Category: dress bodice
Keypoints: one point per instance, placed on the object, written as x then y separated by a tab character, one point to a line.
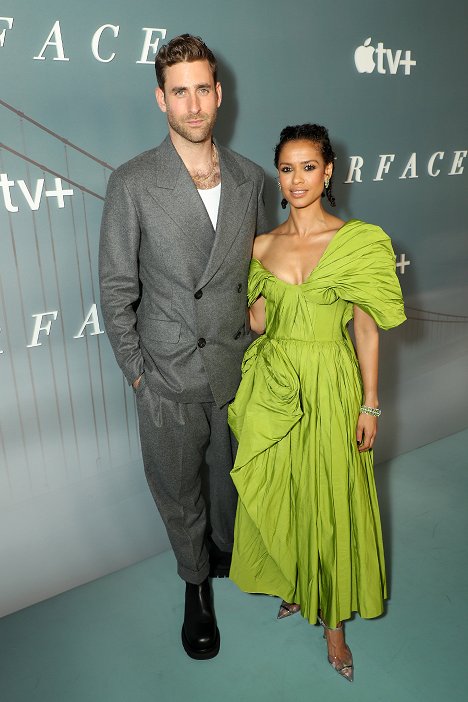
302	312
357	267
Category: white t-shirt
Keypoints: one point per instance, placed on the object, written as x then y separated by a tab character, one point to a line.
211	198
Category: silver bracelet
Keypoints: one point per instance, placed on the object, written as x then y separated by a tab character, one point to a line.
374	411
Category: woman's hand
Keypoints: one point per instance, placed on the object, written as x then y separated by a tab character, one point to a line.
366	432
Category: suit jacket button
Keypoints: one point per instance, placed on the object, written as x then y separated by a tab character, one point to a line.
237	336
198	294
239	287
201	343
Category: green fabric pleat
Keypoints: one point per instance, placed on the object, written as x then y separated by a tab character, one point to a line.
308	526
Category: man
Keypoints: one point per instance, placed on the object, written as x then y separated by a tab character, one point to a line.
176	240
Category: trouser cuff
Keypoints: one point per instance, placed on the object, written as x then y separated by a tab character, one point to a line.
196	577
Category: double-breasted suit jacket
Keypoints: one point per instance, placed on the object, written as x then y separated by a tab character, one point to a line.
173	290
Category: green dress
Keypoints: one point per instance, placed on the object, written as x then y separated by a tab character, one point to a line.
308	525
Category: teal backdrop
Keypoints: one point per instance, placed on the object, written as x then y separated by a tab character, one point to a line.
77	99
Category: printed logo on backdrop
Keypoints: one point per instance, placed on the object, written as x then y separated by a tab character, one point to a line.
368	58
53	47
32	194
439	162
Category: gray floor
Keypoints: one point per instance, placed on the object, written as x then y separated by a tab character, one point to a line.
117	639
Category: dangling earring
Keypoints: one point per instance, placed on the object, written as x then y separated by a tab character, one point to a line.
284	202
327	182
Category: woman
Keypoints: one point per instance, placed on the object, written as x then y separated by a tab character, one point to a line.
305	415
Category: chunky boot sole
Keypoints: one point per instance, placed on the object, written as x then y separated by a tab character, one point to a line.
204	654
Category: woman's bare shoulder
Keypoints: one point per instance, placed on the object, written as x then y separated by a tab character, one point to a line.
265	241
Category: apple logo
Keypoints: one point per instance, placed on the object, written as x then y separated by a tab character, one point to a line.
363	57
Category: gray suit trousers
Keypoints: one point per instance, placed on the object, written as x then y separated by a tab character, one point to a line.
188	452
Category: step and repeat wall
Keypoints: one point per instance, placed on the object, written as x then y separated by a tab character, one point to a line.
76	100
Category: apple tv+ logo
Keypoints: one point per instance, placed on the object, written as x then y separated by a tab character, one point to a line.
367	57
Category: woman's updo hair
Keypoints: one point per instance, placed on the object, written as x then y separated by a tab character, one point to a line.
318	135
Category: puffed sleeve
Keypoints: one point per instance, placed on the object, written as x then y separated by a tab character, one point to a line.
257	274
369	280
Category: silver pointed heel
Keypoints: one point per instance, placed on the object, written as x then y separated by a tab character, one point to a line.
287	609
343	667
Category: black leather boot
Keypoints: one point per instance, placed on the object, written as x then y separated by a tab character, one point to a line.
220	562
200	635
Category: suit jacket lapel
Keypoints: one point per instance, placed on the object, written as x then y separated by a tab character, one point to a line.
175	192
236	192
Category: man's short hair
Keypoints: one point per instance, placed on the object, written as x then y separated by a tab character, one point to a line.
185	47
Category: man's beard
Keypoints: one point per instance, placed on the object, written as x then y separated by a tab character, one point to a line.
195	135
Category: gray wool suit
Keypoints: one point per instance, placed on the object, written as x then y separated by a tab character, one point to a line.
173	298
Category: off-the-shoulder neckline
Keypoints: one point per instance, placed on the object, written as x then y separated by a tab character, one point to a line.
326	250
